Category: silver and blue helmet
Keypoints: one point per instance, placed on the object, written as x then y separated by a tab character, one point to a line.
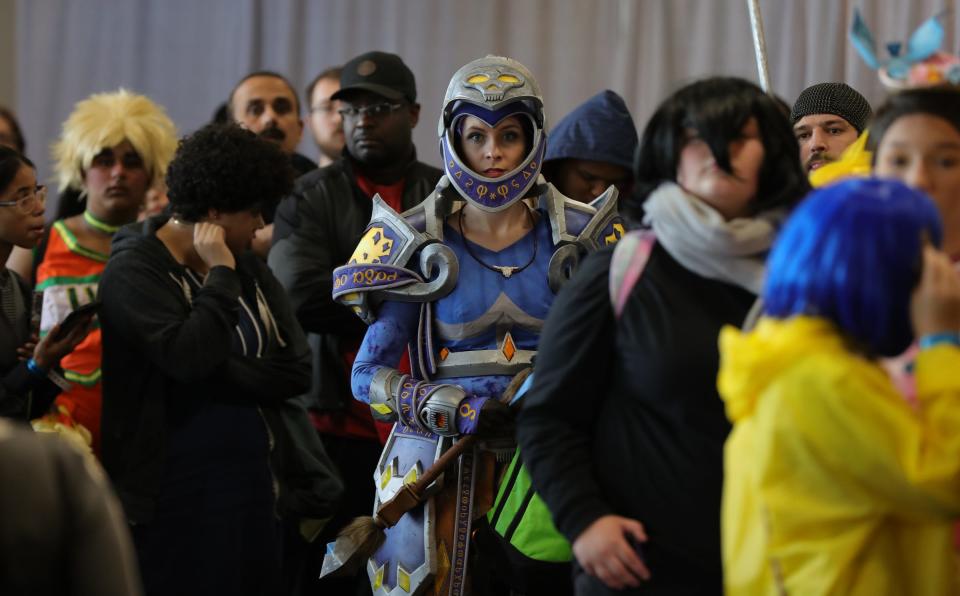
492	88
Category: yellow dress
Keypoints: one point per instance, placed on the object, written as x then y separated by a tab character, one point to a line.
833	483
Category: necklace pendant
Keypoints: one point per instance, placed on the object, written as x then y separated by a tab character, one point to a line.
506	271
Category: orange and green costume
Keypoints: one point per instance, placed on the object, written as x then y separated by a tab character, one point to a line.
68	276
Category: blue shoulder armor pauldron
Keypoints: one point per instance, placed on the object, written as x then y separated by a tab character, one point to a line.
379	270
578	229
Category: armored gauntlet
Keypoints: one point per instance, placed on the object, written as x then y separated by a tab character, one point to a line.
429	406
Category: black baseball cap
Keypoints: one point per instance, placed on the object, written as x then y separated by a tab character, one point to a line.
378	72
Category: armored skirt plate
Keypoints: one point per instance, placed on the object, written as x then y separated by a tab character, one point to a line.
407	562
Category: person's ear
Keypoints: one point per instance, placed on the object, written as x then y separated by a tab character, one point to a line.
414	114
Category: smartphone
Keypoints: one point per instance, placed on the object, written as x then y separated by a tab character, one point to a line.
78	317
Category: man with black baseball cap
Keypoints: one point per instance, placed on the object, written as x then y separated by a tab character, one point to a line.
317	229
827	118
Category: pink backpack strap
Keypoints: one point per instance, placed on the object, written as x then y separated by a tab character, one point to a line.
630	257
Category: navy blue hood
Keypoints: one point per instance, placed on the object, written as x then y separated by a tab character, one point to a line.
600	129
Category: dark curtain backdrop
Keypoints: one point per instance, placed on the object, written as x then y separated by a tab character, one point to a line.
187	54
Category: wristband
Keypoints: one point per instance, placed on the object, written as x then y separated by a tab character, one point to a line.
944	337
35	369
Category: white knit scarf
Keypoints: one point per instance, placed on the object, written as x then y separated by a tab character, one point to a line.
697	236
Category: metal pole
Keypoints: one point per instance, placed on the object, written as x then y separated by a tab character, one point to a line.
759	43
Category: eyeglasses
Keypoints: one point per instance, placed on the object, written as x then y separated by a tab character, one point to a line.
28	201
375	111
325	108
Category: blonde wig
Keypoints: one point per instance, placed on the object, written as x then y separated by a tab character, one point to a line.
105	120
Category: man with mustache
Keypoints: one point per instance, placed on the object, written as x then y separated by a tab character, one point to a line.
827	118
317	229
265	103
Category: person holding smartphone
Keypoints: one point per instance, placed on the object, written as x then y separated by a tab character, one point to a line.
25	389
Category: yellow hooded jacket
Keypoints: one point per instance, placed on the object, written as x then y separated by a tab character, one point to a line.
833	483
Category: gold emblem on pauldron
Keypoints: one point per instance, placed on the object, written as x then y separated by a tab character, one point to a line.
617	234
373	247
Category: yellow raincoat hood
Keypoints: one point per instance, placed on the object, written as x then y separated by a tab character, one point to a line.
833	484
751	361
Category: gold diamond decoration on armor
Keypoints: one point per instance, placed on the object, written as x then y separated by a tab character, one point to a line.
388	473
378	578
443	354
412	475
616	235
382	409
373	247
508	348
403	578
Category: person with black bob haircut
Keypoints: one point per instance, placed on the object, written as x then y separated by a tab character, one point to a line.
632	368
715	111
200	349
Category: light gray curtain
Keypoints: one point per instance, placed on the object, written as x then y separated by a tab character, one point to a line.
187	54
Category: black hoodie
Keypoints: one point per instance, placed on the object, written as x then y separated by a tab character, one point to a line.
161	349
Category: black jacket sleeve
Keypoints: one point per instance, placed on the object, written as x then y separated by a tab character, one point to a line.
560	413
23	395
284	371
304	255
147	308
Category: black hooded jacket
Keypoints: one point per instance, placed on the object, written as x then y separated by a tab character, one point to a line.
316	230
159	347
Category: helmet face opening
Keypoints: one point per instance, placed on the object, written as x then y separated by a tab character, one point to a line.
491	89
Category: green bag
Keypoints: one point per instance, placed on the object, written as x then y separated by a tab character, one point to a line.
520	518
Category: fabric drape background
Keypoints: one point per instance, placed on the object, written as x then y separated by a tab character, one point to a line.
187	54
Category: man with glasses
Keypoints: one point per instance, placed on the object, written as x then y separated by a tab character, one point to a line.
324	121
317	229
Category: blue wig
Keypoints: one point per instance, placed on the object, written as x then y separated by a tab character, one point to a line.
852	253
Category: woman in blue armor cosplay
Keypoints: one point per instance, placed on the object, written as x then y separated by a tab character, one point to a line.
464	281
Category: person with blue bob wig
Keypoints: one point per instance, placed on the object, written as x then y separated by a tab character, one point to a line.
831	477
852	254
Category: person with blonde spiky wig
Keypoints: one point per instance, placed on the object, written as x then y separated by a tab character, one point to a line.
114	147
105	120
